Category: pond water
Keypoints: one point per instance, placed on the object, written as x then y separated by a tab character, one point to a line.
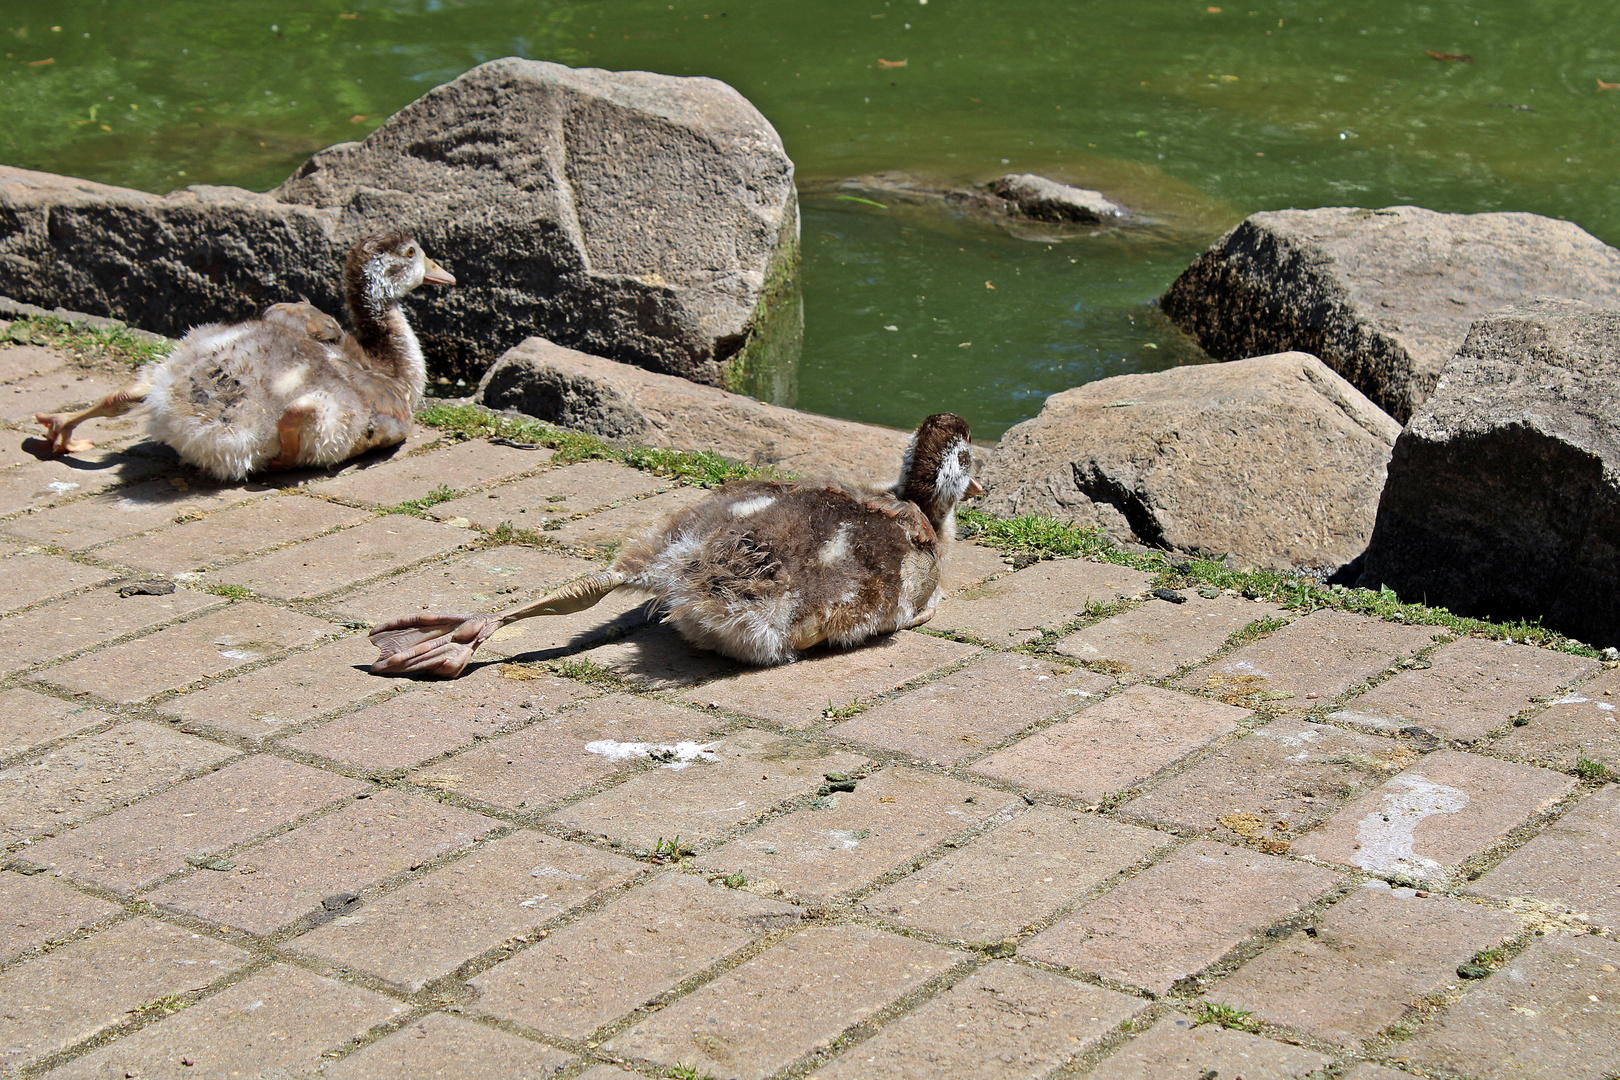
1192	114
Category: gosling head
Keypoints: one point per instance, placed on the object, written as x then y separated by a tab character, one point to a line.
389	265
937	470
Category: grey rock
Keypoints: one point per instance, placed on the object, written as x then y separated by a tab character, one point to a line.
617	401
1503	498
1275	461
1047	200
1383	297
645	217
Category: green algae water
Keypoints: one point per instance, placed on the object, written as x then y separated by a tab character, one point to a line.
1191	114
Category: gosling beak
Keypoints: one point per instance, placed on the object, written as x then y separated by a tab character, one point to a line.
437	275
974	488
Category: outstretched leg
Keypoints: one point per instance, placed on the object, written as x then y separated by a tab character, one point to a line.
59	426
444	644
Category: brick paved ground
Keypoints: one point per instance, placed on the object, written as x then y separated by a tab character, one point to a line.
231	851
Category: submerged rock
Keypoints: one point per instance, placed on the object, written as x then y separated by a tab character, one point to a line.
1503	498
1040	199
1383	297
644	217
1274	460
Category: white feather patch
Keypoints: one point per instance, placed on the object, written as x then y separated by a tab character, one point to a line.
752	506
837	548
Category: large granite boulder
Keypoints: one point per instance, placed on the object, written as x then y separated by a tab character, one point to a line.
1503	499
1383	297
1274	460
616	401
643	217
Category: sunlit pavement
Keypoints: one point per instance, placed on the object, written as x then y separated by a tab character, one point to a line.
1024	841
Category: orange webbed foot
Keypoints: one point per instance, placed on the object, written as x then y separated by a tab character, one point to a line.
59	432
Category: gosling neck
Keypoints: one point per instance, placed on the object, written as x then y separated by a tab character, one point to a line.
381	329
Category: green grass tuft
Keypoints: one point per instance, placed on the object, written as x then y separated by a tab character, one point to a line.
1226	1016
1594	771
84	341
231	592
418	507
1038	537
701	469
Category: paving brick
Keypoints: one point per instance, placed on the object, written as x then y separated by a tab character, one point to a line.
458	467
609	528
346	851
1274	783
19	362
1424	821
67	995
1015	608
1309	662
21	451
114	515
1570	863
38	484
1376	1072
726	782
341	559
497	579
1570	986
428	927
36	909
83	777
231	534
205	647
83	622
1176	1047
1003	1021
1583	723
1356	970
1114	744
846	840
1157	638
435	718
656	657
549	759
1014	875
29	577
443	1047
798	694
29	719
299	688
592	971
533	502
150	839
279	1020
1180	915
1472	686
970	563
59	388
973	708
791	999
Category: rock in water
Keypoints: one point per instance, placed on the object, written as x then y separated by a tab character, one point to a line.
1503	498
1383	297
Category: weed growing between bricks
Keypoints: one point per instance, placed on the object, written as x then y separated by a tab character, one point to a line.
1032	537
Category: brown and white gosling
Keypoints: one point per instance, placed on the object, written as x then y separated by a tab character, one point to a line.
760	570
290	389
